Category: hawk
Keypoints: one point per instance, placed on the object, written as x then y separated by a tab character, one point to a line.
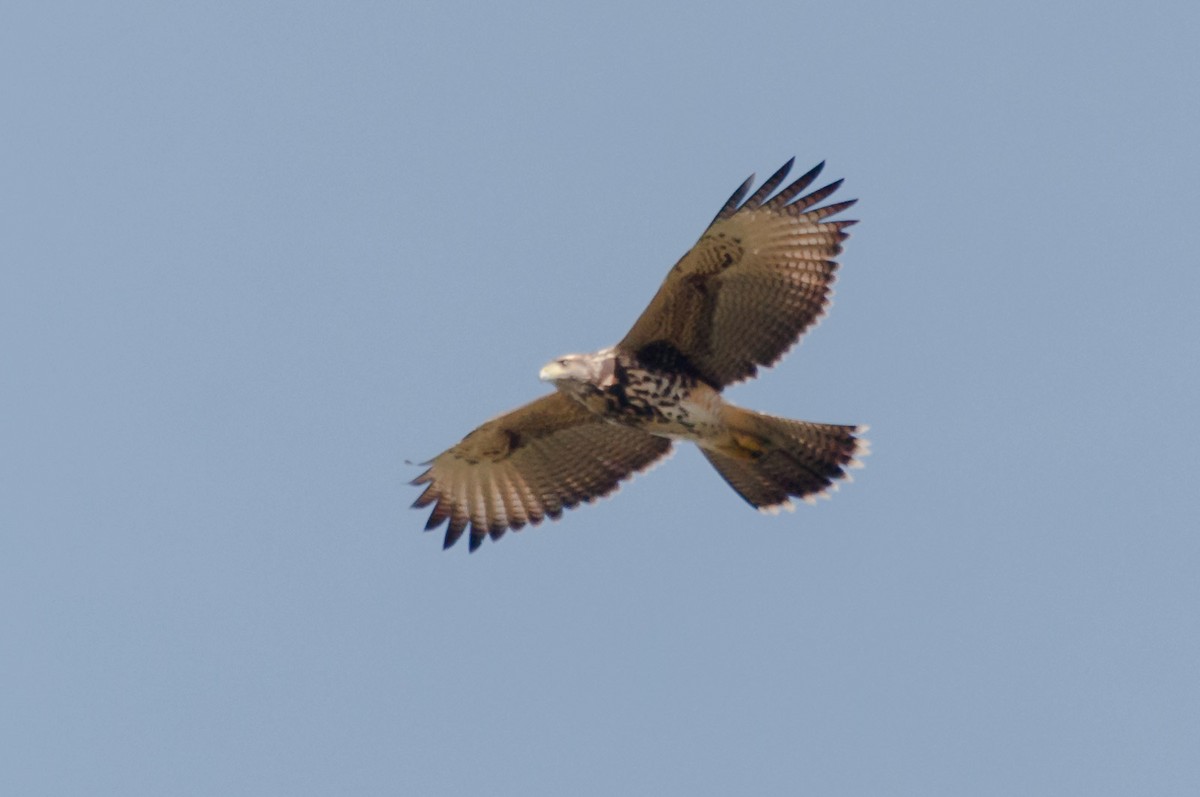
759	276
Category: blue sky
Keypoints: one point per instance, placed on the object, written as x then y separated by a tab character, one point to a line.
257	256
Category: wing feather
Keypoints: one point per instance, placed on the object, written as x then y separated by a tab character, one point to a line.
549	455
760	196
760	276
731	205
796	187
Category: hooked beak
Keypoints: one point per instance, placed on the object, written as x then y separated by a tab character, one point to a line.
552	371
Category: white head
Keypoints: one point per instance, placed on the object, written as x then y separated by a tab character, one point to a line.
574	371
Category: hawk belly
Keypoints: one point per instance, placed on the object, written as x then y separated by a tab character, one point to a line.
664	403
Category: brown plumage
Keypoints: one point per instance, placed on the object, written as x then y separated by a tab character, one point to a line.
531	464
759	276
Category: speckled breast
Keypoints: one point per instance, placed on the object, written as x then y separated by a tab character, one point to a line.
667	403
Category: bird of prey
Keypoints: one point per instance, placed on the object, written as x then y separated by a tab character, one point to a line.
759	276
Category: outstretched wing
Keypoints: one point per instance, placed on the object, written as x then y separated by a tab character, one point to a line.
754	282
529	464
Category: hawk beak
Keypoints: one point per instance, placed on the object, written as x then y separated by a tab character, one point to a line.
552	371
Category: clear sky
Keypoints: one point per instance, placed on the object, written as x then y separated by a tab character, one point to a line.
256	256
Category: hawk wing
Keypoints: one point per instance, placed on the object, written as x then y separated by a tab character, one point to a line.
754	282
529	464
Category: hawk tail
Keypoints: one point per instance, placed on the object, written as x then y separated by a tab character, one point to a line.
769	460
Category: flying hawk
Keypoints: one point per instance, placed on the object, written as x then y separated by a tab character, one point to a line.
759	276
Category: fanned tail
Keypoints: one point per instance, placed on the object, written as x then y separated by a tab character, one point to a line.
770	460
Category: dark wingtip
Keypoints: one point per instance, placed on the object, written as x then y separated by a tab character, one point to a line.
795	188
811	174
830	210
759	198
453	532
731	205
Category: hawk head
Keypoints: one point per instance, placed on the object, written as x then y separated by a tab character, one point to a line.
582	373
